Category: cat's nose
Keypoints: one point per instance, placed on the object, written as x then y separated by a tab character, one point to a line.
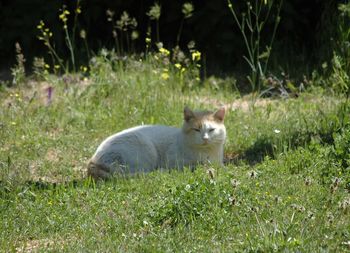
205	137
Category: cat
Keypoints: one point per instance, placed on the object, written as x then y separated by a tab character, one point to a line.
149	147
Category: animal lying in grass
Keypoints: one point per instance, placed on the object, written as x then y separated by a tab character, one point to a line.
145	148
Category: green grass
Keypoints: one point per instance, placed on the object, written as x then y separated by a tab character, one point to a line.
284	188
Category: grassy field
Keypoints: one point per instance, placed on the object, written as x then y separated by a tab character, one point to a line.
284	187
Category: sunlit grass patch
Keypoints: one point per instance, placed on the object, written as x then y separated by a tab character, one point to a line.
284	185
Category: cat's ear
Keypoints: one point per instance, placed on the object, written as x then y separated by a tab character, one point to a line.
188	114
220	114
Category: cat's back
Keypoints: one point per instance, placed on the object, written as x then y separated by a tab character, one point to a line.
148	131
144	133
154	131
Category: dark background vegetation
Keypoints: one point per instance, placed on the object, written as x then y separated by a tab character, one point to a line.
304	37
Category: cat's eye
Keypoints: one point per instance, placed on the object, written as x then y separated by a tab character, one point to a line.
211	130
196	129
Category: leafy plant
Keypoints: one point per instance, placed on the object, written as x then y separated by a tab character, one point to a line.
336	75
343	40
187	11
340	73
154	14
340	152
18	71
339	78
123	31
64	18
46	36
70	38
251	25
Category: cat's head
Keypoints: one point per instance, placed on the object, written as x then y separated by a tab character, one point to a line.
204	128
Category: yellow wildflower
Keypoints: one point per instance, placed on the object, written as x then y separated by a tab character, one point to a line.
82	34
83	68
134	35
41	24
178	65
165	76
164	51
62	16
196	56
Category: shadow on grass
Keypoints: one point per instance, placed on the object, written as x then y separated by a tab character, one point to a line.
10	186
271	146
258	151
7	186
322	130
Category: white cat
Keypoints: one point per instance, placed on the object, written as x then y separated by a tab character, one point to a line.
145	148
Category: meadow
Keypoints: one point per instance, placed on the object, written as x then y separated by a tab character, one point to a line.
284	186
285	182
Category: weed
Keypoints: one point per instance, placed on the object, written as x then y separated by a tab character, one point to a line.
70	38
187	11
64	18
251	27
45	36
126	24
18	72
154	14
39	67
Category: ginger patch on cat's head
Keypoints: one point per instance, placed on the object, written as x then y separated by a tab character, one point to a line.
195	119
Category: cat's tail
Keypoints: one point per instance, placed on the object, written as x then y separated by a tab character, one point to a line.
98	171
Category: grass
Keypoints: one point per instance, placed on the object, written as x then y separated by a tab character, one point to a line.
284	187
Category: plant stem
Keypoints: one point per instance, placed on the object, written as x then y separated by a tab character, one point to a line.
180	31
70	47
54	54
241	29
87	48
75	23
255	26
157	28
273	34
